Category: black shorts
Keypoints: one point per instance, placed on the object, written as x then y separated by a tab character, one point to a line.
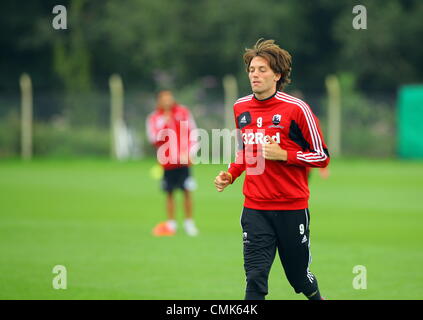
288	232
179	178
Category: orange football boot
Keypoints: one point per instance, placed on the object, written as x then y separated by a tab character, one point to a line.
163	230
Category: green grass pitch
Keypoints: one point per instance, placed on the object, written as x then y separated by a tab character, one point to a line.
95	218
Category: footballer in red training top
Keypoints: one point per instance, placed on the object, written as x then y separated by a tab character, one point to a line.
290	123
280	139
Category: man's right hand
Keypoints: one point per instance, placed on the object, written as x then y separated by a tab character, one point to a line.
223	180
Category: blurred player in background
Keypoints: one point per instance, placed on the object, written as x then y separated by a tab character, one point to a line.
169	129
281	133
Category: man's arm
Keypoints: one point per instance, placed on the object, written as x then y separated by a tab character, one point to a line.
314	151
151	130
305	131
194	145
235	169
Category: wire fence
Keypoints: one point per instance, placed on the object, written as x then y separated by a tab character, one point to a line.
80	125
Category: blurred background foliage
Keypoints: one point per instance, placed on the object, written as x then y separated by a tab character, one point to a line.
189	46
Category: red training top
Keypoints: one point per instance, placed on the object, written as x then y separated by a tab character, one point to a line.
271	184
172	136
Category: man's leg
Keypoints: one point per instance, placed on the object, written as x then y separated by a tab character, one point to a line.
167	228
259	252
188	204
189	224
187	184
293	235
170	210
170	206
169	184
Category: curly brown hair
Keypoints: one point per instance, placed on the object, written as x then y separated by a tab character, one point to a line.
280	60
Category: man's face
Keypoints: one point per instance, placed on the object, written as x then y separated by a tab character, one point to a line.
165	100
262	77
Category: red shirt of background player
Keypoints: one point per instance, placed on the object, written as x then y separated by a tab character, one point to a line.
175	129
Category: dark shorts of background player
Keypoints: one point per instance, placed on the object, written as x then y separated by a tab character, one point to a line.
264	232
176	179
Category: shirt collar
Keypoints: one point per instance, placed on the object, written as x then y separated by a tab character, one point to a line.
265	99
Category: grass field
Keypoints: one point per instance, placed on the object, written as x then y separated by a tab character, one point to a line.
95	218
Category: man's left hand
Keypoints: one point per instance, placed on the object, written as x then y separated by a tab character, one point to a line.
273	151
